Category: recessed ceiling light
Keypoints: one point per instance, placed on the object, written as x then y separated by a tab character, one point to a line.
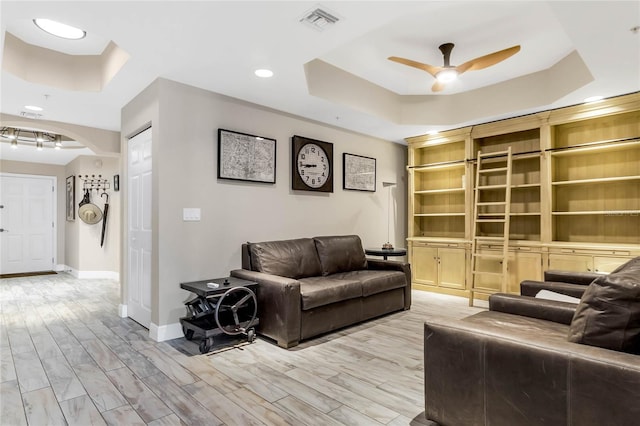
264	73
59	29
32	108
594	98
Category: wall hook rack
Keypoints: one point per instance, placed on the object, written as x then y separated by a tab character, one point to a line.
93	182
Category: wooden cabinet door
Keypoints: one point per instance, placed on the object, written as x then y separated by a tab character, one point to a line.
452	267
523	266
570	262
607	264
424	265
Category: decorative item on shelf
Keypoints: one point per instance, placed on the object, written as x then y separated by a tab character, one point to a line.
388	245
312	168
358	172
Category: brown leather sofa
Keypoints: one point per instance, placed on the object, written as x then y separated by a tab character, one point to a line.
310	286
518	363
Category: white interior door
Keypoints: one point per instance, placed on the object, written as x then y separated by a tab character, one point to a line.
139	253
26	223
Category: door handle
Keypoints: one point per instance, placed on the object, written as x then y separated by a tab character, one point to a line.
4	230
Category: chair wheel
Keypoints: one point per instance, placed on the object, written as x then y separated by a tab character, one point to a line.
205	345
188	334
251	335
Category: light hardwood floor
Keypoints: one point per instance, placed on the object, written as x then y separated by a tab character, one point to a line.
67	358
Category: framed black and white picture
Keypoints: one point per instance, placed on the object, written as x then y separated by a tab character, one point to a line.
359	172
71	198
242	156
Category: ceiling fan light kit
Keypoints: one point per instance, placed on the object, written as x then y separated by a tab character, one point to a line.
448	73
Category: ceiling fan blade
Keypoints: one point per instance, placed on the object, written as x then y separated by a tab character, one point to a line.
487	60
437	86
424	67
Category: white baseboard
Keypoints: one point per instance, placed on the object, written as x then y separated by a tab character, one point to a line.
61	268
110	275
122	310
165	332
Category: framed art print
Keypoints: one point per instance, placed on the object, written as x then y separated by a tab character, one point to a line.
242	156
359	172
71	198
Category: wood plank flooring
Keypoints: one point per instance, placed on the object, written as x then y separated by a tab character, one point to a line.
67	358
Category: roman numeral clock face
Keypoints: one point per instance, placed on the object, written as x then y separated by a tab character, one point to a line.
313	165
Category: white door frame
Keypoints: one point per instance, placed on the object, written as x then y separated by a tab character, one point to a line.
54	213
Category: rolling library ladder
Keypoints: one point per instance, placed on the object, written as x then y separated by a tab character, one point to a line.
491	217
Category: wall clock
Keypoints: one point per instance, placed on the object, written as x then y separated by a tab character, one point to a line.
312	168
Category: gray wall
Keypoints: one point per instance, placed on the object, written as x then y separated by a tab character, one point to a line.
83	251
185	121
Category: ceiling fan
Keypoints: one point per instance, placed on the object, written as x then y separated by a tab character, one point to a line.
448	72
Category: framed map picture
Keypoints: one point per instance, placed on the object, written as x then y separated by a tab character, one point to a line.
246	157
359	173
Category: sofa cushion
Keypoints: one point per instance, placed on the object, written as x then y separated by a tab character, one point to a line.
320	291
374	282
340	254
608	314
287	258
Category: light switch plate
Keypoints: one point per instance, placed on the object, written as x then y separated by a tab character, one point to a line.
190	214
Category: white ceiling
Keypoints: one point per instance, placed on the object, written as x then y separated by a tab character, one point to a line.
216	45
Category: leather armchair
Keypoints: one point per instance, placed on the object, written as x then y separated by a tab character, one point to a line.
569	283
497	368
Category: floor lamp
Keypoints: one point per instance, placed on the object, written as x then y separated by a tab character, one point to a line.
388	245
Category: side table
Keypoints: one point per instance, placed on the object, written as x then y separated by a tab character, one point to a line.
385	253
221	305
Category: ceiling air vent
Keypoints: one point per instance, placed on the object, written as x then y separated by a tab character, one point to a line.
319	19
29	114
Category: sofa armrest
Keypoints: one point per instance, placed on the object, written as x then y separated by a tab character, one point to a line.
550	310
531	288
376	264
278	306
573	277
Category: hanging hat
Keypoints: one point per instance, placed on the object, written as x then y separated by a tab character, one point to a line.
90	213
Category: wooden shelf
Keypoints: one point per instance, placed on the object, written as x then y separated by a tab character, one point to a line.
599	212
437	214
596	147
596	181
439	191
439	166
575	181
